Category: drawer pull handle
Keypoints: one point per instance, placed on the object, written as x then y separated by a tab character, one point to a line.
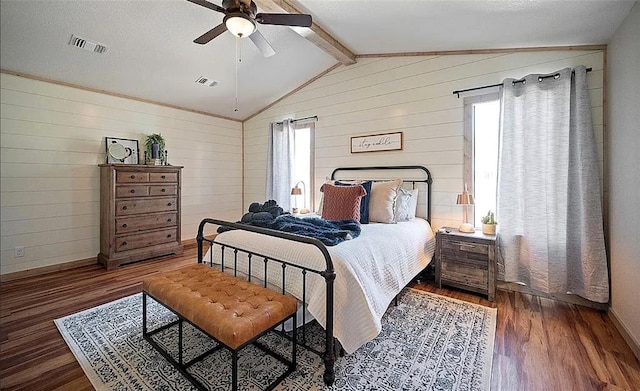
169	204
124	243
169	235
163	177
132	191
124	207
168	220
133	177
163	190
124	226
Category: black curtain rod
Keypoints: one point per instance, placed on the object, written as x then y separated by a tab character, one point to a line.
458	92
302	119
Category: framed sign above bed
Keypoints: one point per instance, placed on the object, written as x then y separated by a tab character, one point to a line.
377	142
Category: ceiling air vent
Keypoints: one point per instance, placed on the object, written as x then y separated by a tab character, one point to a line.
205	81
87	45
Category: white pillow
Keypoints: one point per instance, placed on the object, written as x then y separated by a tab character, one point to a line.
406	204
382	204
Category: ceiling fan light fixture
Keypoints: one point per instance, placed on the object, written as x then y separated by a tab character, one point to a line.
239	24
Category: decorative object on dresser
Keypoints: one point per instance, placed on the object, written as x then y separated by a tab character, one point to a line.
466	261
122	150
155	149
489	224
465	198
139	213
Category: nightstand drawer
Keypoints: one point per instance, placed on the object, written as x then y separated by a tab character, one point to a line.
469	248
473	278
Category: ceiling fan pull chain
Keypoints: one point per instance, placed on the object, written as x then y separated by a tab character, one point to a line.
238	58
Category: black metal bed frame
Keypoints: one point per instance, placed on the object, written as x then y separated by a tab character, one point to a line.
328	273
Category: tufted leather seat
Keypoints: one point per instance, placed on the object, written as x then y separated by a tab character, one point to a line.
231	310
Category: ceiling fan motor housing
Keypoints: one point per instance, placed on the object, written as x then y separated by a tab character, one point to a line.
240	6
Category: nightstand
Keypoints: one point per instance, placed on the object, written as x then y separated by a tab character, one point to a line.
466	261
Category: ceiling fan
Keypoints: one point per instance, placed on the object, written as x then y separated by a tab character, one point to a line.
240	19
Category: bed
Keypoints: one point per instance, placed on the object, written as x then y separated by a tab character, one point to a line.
346	288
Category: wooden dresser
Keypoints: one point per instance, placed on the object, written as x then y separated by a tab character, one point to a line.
466	261
139	212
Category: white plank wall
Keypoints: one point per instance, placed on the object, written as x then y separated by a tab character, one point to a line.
52	140
411	95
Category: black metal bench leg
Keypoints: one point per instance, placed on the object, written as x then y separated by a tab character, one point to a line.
234	370
295	341
144	314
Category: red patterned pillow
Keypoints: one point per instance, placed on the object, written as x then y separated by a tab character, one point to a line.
341	202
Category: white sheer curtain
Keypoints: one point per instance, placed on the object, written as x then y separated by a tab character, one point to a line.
549	199
280	156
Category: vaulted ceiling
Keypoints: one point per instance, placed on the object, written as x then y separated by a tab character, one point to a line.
150	52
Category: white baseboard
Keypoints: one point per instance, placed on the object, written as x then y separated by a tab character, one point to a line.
629	339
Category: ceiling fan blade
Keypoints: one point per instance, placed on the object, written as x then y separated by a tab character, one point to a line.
206	4
301	20
211	34
261	43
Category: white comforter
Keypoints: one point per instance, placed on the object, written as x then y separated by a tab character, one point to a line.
370	271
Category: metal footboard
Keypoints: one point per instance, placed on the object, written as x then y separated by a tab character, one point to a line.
328	273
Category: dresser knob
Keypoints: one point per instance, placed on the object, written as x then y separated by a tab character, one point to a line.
169	204
133	177
169	235
124	243
124	207
163	190
168	220
132	191
124	226
163	177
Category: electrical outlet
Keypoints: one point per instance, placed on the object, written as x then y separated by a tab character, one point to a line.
19	251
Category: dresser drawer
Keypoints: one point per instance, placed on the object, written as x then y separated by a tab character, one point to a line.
132	207
131	177
163	190
141	223
123	191
141	240
163	177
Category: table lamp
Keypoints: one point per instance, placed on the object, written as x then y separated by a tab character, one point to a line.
297	191
465	199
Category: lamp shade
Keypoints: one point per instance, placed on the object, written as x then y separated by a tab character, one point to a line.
239	25
296	191
465	199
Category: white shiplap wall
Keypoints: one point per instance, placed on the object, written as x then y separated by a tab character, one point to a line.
52	140
412	95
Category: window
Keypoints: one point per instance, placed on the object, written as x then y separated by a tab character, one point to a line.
481	131
303	162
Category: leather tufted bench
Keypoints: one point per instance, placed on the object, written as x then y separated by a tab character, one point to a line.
232	311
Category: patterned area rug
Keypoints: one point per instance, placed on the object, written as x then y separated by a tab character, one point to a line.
428	342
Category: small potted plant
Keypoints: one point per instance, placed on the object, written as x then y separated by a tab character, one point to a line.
155	148
489	224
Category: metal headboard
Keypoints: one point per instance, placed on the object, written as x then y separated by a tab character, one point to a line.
427	178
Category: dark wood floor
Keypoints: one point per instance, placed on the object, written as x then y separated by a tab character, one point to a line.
540	344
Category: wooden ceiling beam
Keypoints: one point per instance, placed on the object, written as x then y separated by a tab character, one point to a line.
315	33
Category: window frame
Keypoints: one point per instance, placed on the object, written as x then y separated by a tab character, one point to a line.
468	148
309	191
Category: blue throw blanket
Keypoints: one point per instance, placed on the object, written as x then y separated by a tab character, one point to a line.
269	215
328	232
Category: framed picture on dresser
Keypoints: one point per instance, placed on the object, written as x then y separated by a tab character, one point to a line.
122	150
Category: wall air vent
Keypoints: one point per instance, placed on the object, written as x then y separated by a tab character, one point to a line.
87	45
205	81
